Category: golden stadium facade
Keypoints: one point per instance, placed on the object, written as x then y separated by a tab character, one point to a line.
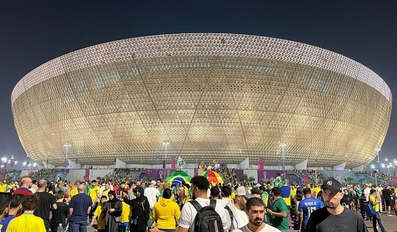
210	96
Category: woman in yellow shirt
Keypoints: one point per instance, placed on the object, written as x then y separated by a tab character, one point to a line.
166	213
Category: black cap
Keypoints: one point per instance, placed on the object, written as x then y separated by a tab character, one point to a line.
333	185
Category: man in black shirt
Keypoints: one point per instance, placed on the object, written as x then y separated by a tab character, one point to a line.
334	217
47	201
61	213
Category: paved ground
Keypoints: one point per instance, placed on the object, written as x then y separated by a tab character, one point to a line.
390	224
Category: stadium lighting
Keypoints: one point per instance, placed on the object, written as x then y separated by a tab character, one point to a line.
283	145
67	146
165	144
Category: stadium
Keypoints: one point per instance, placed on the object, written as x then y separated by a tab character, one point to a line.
202	96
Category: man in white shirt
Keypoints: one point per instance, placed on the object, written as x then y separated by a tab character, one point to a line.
366	191
255	209
240	218
152	193
199	187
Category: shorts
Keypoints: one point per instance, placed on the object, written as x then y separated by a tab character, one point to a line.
125	225
389	203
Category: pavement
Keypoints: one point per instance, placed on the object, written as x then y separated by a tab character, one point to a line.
389	222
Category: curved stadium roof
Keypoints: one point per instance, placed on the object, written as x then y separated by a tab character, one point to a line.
210	95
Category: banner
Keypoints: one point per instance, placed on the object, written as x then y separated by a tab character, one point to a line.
260	163
181	162
173	162
265	175
305	177
87	174
395	178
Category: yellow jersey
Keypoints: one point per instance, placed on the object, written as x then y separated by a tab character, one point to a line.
27	222
126	213
100	217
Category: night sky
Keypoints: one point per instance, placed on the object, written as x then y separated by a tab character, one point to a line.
34	32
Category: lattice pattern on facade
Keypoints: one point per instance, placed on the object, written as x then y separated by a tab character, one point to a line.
211	95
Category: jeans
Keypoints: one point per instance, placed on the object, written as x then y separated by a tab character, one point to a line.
78	226
378	218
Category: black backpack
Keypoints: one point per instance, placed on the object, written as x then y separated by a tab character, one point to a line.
207	219
231	218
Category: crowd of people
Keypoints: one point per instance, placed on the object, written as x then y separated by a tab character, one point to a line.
136	205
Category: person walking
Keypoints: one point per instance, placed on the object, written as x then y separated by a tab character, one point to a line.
199	188
279	211
47	202
140	210
306	207
166	213
334	217
374	200
112	210
255	209
24	186
60	213
79	208
27	222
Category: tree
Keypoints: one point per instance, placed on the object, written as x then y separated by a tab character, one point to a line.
245	177
362	181
349	180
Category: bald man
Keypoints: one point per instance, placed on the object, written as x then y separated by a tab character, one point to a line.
79	208
47	201
25	185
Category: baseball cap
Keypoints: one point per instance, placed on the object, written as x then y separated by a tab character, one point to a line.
333	185
153	182
240	191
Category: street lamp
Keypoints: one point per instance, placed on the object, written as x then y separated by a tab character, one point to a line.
377	149
67	145
165	144
283	145
315	161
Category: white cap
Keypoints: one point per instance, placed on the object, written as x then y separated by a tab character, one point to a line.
240	191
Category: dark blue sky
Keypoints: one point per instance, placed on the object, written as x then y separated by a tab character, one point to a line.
34	32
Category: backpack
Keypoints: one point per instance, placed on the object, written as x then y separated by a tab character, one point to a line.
370	210
207	219
231	218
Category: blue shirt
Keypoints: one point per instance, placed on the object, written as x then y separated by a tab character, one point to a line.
308	206
80	204
6	221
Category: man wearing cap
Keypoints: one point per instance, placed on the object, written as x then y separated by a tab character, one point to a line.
152	193
237	214
334	217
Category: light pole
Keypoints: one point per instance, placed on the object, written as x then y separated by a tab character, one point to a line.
165	144
283	145
315	161
377	149
67	145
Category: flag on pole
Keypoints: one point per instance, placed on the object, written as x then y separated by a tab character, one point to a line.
201	165
260	163
173	162
180	162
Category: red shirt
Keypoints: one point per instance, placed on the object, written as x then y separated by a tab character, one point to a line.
22	191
